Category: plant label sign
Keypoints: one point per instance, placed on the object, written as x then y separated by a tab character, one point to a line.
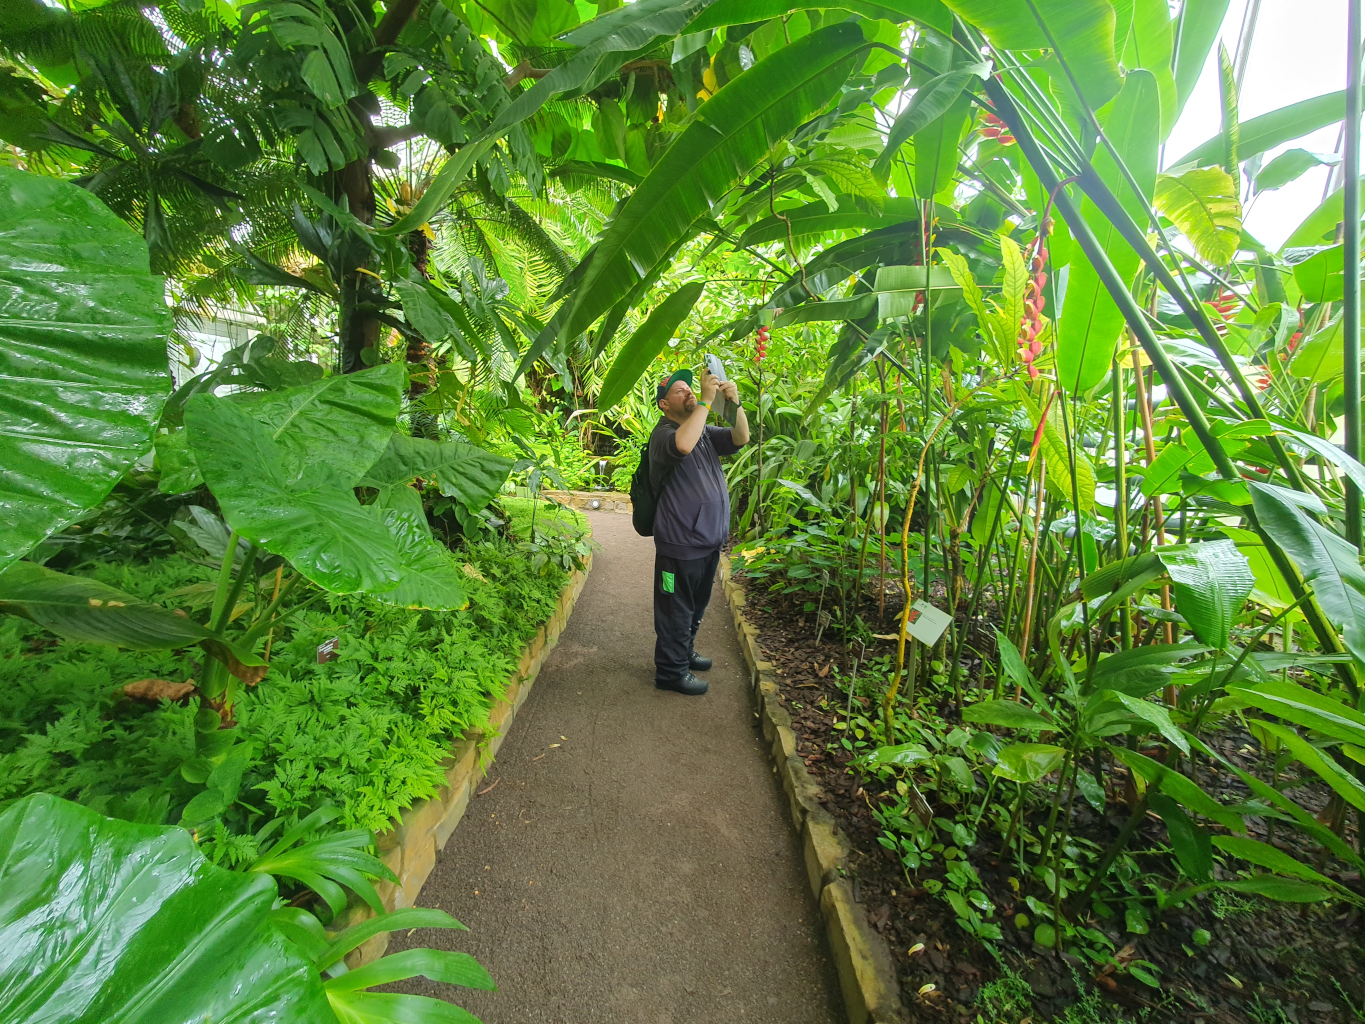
926	623
327	650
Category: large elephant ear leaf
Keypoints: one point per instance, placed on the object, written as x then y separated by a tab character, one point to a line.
105	920
345	419
464	472
1211	581
430	575
83	369
308	514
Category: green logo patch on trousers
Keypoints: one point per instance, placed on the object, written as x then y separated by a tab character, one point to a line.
668	582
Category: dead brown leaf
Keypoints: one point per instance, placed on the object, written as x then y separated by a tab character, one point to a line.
156	690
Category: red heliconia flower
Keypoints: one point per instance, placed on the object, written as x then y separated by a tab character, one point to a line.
762	353
1294	340
994	128
1032	324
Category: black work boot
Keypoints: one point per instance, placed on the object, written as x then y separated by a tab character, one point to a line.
697	663
688	684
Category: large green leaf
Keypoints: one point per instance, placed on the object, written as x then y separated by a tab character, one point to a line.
308	513
1028	762
899	289
83	370
1008	713
110	922
1263	855
1190	843
931	101
82	609
1327	769
646	343
1329	564
1211	582
1321	357
462	471
937	146
1091	322
1081	31
854	214
1150	44
346	419
1178	787
1320	226
747	12
729	135
1297	704
1143	670
1203	204
1264	133
429	576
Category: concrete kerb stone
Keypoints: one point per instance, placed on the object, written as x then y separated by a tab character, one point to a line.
409	848
867	976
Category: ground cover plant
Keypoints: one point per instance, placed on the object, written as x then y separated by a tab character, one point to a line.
1004	352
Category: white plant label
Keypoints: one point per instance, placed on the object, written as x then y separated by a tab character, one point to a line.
926	623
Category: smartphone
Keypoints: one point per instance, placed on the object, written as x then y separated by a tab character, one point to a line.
714	364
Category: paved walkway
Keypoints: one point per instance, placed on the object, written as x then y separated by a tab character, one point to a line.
634	860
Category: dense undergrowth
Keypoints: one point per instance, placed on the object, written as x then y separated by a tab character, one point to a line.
366	732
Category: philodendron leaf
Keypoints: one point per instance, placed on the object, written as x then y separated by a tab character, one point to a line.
1008	713
309	514
429	575
83	372
465	472
106	920
345	420
1028	762
85	610
1211	582
1203	204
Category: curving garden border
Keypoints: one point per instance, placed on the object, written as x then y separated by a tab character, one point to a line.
866	975
606	501
410	846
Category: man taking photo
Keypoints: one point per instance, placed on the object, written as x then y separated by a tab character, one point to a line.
691	522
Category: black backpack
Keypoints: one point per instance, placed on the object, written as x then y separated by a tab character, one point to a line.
644	499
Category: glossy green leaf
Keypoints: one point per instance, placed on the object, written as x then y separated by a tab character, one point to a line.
904	754
1143	670
1154	714
1008	713
1150	44
937	149
747	12
1264	133
308	514
1285	890
854	214
900	290
931	101
1347	785
1328	563
1057	465
1322	277
1294	703
1288	166
1320	226
1203	204
471	475
1320	357
835	309
429	575
1015	669
83	372
437	964
83	609
1211	582
1333	453
1091	322
1028	762
1263	855
408	918
1081	31
644	346
345	420
104	920
729	135
1190	842
1178	788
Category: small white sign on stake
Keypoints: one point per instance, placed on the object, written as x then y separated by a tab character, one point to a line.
926	623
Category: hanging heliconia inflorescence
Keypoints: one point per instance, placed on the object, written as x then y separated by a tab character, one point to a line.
762	345
1031	327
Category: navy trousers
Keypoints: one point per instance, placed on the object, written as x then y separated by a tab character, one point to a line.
682	590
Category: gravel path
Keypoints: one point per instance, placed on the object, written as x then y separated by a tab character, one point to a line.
632	858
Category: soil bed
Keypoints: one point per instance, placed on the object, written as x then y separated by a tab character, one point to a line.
1265	963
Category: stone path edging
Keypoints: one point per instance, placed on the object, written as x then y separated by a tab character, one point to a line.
409	848
607	501
866	975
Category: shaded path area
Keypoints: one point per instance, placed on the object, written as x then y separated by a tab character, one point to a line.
644	870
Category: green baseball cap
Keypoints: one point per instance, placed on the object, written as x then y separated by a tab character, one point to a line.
684	375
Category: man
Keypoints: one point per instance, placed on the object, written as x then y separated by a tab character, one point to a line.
691	522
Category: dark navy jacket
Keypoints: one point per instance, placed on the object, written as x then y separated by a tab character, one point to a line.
693	515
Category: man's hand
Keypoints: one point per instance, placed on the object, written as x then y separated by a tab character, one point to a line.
710	383
730	391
